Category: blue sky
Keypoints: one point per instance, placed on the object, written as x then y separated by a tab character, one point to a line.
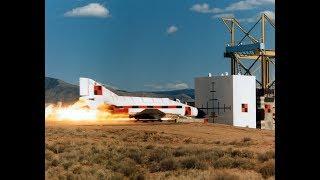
142	44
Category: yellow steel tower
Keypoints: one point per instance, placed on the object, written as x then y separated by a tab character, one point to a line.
254	51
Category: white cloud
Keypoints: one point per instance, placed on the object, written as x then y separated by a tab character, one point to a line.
90	10
155	86
237	6
270	15
255	18
172	29
248	4
177	86
249	20
168	86
204	8
223	15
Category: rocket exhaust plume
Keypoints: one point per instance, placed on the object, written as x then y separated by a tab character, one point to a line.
80	112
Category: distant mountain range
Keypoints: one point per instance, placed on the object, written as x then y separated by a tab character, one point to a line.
57	90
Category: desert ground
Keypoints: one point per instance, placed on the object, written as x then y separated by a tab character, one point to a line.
158	151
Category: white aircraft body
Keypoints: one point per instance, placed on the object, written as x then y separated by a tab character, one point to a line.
95	94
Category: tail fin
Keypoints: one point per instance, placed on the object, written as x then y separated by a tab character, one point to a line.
91	89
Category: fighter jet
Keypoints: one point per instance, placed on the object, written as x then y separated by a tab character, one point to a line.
140	108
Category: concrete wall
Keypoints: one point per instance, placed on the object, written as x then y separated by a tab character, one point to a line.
269	122
244	92
231	91
223	92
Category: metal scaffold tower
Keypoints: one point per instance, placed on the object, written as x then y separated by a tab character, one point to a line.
254	51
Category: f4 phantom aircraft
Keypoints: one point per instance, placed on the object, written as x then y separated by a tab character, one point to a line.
140	108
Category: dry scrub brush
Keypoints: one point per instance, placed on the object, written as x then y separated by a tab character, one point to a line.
115	154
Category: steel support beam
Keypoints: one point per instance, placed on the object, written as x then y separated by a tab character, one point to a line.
251	66
265	56
234	63
264	60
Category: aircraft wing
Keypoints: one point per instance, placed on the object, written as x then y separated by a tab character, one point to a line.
149	114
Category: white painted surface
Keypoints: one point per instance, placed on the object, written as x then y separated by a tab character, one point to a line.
233	91
178	111
108	97
244	91
84	87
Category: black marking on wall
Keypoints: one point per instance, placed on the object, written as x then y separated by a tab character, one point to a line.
213	99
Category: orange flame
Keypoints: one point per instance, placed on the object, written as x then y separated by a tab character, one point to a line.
79	111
